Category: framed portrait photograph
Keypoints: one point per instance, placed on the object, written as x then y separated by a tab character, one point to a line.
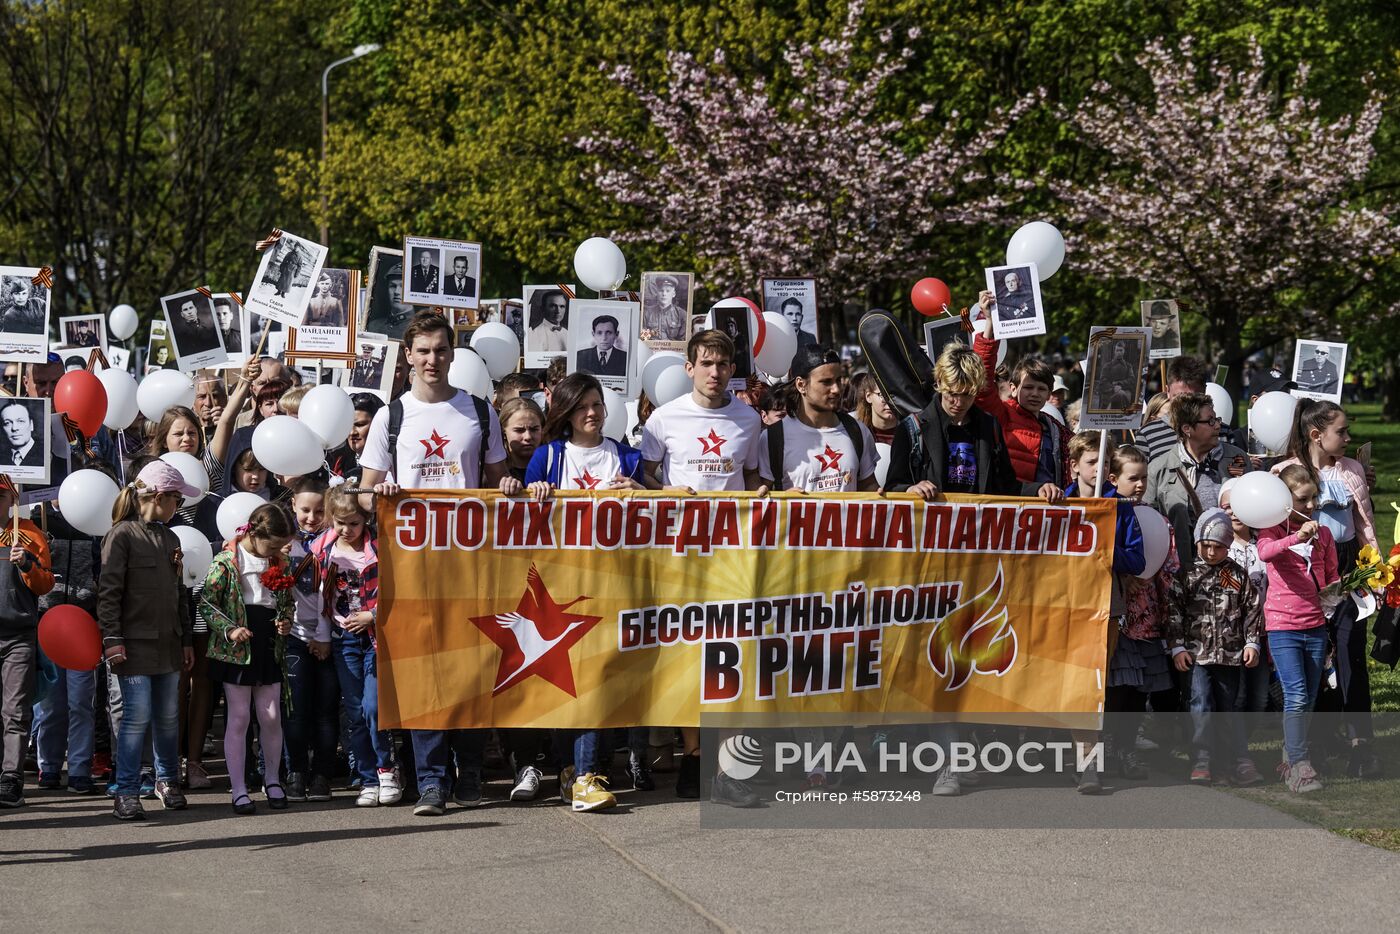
328	330
386	315
286	276
1161	315
513	316
160	353
939	333
1318	368
83	331
233	331
546	323
74	358
442	272
26	441
1018	311
795	300
373	369
735	322
1114	379
602	338
24	315
254	327
666	299
189	319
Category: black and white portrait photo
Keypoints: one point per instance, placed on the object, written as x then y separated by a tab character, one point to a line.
254	326
513	315
734	321
666	298
795	300
546	323
193	331
228	318
1319	368
328	330
1160	314
602	335
1018	311
373	369
83	331
160	353
388	314
24	315
1114	381
286	276
442	272
941	332
24	440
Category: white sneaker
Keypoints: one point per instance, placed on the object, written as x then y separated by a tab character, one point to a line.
390	791
369	798
527	784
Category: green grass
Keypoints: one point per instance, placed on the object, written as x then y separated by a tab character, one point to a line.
1366	425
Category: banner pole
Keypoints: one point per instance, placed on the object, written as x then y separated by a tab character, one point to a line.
1103	468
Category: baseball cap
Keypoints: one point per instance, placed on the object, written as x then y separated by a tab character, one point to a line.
160	477
1060	385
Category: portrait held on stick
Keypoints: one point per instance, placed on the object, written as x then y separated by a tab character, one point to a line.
328	330
373	369
1319	368
1018	311
286	277
24	314
83	331
194	333
602	335
666	302
25	440
1161	315
1114	381
442	272
546	323
387	314
795	300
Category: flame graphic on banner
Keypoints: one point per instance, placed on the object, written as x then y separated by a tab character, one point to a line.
976	638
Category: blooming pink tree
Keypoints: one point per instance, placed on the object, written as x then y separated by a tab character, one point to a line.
814	181
1232	199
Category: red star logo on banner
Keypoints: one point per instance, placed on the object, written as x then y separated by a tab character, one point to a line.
587	481
829	459
435	444
712	443
536	638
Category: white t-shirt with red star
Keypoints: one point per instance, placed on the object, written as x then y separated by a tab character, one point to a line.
820	460
704	449
439	444
592	468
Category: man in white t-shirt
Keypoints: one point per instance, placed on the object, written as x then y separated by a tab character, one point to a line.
707	440
824	450
445	440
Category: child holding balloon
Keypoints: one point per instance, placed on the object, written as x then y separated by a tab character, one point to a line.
27	575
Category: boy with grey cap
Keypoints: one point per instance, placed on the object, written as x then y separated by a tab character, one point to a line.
1215	624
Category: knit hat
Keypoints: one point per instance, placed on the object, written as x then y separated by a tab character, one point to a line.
160	477
1214	526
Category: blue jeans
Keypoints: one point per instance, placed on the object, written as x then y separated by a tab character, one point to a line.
311	726
359	693
1215	689
586	744
435	750
65	722
1298	655
148	701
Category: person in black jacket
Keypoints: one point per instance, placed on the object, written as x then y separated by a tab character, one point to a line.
954	447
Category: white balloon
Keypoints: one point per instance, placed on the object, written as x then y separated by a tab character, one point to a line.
882	466
285	446
1260	500
469	373
329	413
122	322
234	511
656	364
192	470
1156	539
121	398
1271	420
779	345
615	423
163	390
196	554
497	345
1224	405
671	384
86	498
1039	243
600	264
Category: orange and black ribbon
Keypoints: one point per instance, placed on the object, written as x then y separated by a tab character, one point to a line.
236	299
44	277
204	290
13	536
75	434
966	325
269	240
568	292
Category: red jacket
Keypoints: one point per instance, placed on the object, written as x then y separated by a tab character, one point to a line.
1021	428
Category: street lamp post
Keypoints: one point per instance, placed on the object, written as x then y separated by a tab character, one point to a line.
360	52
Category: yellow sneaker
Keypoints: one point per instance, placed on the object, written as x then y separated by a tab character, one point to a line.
590	795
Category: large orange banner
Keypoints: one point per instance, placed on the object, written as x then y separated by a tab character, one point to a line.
653	609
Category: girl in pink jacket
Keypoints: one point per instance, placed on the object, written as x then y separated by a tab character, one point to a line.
1300	558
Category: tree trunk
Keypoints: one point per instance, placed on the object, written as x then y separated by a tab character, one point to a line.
1390	392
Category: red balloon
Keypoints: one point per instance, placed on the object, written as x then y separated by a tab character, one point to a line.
81	396
69	637
931	297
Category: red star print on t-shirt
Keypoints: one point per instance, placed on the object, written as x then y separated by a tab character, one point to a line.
711	443
587	481
435	444
829	459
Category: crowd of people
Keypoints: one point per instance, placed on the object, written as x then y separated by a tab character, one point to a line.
282	630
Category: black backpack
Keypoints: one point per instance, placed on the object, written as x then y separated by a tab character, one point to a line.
483	417
775	446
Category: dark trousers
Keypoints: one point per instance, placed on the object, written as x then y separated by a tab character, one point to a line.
18	657
312	724
1353	682
435	752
